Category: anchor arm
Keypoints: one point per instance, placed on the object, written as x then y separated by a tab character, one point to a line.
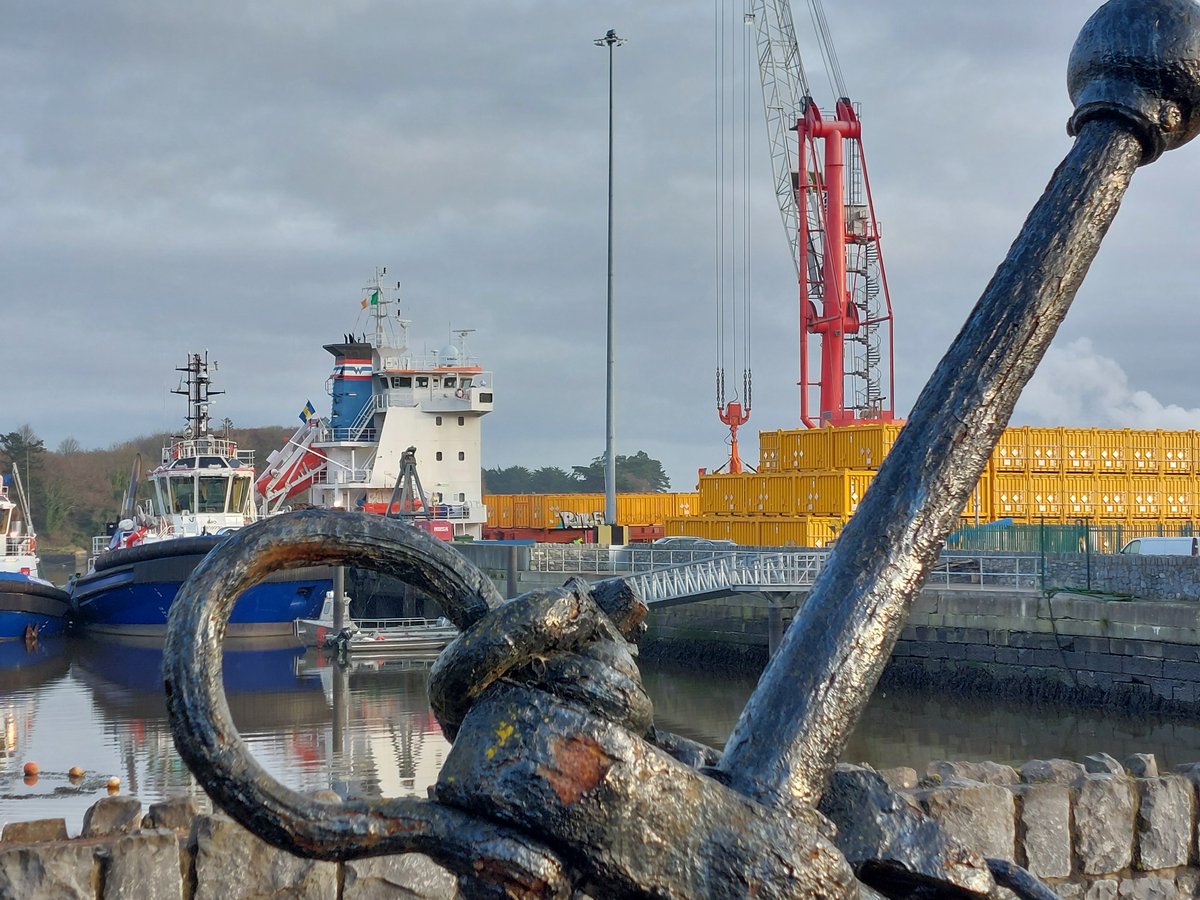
1135	73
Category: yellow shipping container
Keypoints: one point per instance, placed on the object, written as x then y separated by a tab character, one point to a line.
863	446
1009	495
1179	496
1176	451
1110	497
978	508
833	493
717	495
1044	496
1011	454
1044	446
1141	452
1079	497
768	451
806	449
1078	450
1110	451
799	531
1145	497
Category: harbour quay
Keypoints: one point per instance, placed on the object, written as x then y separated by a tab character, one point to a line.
1093	828
1087	628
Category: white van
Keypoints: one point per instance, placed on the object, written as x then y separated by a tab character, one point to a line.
1164	546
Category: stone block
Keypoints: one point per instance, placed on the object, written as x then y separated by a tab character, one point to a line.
144	866
60	870
1181	670
1149	888
35	832
112	815
1102	763
406	875
900	778
174	812
1102	890
1164	822
980	816
983	772
1142	765
1052	771
1044	828
1142	665
233	864
1104	823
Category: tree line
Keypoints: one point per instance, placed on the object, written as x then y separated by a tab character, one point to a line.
639	473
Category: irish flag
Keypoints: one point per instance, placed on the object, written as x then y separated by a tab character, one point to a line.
371	300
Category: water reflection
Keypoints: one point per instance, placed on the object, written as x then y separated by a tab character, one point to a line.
366	731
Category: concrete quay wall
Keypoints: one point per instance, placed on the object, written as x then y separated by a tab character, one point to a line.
1142	652
1097	829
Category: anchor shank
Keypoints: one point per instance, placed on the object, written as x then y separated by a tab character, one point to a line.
813	691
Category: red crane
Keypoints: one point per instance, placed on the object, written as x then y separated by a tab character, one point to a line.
829	216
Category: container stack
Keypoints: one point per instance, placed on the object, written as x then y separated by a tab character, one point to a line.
810	481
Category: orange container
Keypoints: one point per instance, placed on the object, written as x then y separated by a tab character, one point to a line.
1078	450
1044	446
863	446
1141	451
1176	452
1110	451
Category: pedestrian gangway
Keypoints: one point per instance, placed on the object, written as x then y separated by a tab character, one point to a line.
671	577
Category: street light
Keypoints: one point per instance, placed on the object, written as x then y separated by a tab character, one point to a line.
610	40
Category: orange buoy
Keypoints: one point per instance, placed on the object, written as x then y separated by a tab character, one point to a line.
114	784
31	770
75	773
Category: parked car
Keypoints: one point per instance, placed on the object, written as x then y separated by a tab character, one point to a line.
681	542
1163	546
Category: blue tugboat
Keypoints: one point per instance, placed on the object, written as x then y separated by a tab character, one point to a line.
30	606
203	490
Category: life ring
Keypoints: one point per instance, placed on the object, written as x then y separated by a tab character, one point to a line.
460	393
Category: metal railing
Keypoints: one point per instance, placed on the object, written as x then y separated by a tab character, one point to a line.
674	575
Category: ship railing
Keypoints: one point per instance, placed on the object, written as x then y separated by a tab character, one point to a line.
340	475
19	545
352	434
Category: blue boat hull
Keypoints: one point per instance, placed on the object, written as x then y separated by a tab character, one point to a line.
131	592
25	602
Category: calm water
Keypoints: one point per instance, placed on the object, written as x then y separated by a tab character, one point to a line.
99	705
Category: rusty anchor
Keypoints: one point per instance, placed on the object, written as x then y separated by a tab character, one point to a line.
558	783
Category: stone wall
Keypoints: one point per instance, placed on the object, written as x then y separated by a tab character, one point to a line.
1090	830
1155	577
174	853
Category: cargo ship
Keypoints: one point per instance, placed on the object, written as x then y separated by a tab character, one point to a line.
394	410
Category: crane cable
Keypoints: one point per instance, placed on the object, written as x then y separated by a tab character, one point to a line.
731	139
833	68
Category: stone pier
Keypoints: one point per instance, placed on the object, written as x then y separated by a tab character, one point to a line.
1092	830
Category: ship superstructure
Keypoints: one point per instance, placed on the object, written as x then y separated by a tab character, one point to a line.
388	397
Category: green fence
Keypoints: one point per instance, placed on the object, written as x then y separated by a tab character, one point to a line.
1054	538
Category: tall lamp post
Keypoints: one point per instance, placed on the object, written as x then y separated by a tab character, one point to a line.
610	40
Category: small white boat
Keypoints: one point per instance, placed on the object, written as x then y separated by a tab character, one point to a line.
397	635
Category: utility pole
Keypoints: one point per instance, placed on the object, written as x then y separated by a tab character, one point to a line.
610	40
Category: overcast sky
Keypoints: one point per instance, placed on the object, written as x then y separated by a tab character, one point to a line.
226	176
